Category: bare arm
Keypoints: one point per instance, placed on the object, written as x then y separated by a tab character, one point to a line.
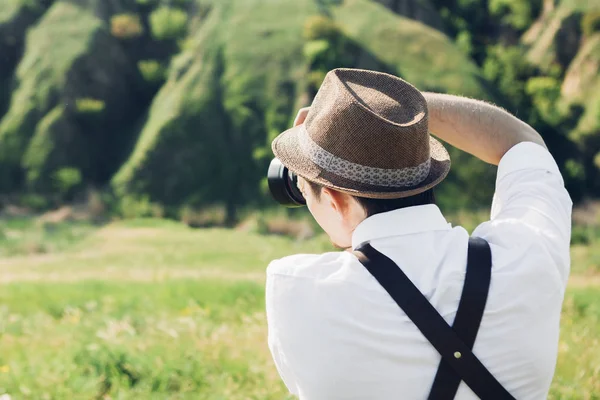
476	127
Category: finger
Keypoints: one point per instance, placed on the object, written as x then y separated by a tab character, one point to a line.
301	117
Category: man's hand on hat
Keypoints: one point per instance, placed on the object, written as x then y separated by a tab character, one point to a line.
301	117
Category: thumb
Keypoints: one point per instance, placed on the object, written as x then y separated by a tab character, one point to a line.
301	117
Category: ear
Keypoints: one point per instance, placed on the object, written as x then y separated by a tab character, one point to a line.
339	201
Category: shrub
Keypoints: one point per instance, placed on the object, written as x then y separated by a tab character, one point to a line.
140	207
508	69
320	27
89	106
283	226
590	23
464	42
516	13
168	23
35	202
574	170
203	218
545	92
584	234
126	26
66	179
152	71
315	49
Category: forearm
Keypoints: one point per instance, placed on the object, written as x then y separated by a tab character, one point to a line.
476	127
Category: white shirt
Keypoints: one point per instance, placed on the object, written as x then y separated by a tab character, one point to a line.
335	333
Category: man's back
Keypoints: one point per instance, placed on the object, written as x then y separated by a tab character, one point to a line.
336	334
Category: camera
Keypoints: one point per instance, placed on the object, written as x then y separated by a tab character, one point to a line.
283	185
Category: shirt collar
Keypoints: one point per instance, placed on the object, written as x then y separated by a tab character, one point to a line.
404	221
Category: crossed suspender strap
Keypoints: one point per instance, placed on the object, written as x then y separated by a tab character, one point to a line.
453	343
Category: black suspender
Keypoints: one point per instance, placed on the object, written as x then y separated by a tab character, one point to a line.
453	343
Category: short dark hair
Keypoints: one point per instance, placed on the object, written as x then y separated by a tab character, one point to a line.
377	206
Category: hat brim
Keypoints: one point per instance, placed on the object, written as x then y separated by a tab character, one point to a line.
287	148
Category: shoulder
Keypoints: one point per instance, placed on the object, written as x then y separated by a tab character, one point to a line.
304	282
309	265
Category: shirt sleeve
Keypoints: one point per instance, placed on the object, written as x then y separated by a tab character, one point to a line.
531	204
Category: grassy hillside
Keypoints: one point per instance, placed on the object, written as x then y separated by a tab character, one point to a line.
410	48
78	93
240	80
233	87
9	9
149	309
582	85
174	104
16	17
41	80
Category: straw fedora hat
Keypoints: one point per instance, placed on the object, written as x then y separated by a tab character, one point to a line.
366	134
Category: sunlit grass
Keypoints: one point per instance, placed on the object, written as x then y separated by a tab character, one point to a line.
85	340
153	309
578	370
26	236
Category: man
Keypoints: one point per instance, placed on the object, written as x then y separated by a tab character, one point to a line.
367	167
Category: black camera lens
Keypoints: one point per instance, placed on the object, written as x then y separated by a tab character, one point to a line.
283	185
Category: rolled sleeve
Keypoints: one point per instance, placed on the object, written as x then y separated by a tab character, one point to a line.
527	156
531	205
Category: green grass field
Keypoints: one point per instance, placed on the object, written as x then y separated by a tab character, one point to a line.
150	309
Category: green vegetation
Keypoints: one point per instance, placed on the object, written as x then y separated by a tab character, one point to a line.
126	26
40	78
169	107
9	10
417	49
590	23
229	90
326	48
67	179
225	93
152	71
514	13
174	104
152	309
168	23
89	106
24	236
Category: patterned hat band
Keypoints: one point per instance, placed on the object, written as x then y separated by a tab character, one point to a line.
402	177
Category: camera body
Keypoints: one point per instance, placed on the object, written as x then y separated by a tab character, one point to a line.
283	185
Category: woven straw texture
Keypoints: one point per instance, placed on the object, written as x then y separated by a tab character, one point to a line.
367	135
